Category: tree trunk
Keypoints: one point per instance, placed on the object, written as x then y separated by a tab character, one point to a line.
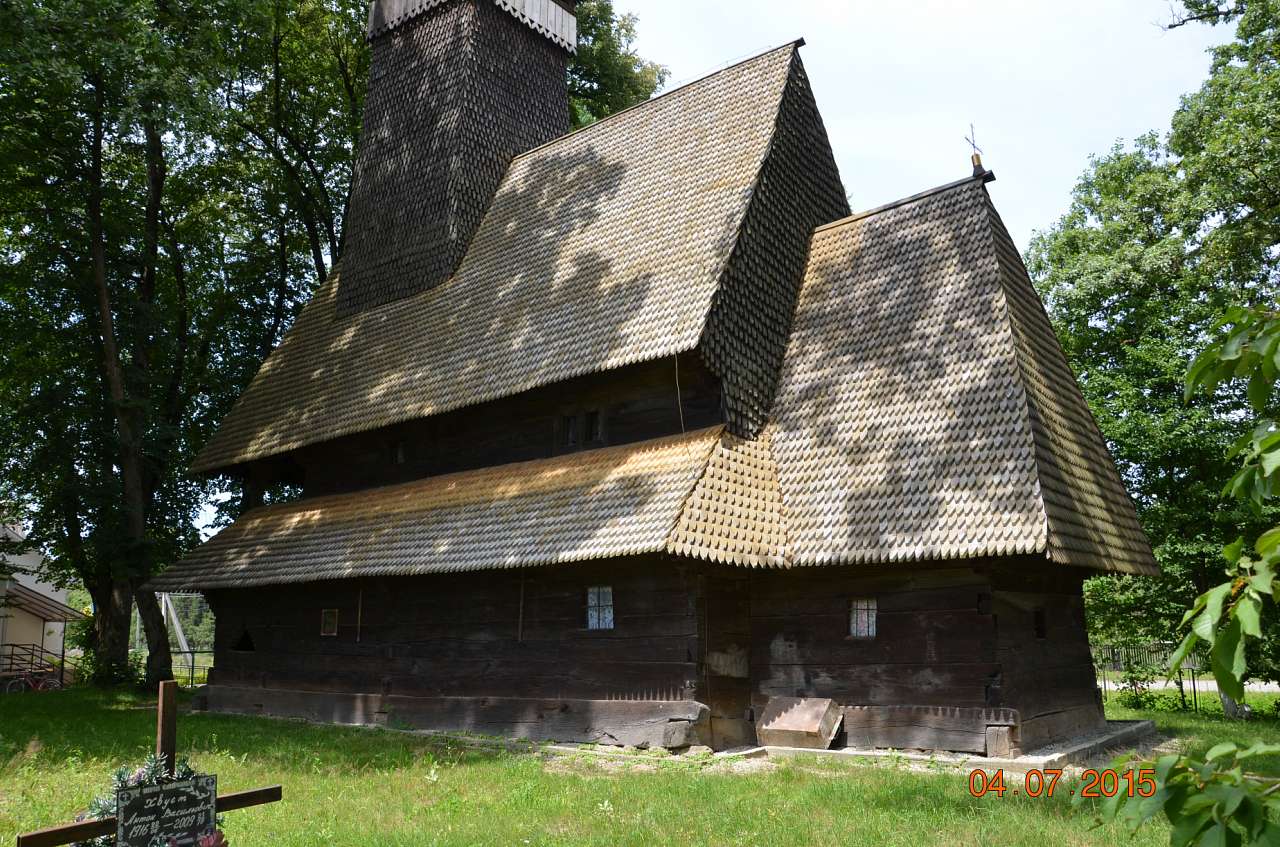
1230	707
159	660
159	664
113	607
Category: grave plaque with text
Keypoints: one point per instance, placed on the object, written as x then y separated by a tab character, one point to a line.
176	813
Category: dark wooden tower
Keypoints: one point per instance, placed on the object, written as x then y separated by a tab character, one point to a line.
457	89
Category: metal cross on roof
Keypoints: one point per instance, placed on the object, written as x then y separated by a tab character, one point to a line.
970	138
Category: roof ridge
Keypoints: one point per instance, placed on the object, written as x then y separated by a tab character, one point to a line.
1010	334
984	177
793	44
1057	524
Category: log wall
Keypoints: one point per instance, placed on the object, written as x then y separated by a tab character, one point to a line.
957	662
636	403
466	635
1047	669
935	643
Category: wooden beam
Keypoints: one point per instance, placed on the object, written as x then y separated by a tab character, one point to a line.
55	836
252	797
167	725
68	833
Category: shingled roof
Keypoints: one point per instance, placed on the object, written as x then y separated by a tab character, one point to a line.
679	223
925	413
926	410
693	493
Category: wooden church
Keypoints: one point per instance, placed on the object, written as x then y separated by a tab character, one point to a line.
615	435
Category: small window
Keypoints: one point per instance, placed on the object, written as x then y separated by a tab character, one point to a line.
328	622
600	607
594	428
397	453
1038	621
862	617
570	426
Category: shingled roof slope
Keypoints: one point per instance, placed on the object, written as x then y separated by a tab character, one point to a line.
600	249
1092	521
708	494
798	189
926	411
734	514
609	502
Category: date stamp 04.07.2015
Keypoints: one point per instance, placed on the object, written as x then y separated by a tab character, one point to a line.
1042	783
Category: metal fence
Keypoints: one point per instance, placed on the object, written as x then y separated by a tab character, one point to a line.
32	662
189	621
1128	666
1121	657
190	668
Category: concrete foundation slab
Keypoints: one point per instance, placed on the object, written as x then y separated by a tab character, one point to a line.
1116	735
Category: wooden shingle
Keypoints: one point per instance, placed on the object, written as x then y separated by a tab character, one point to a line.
926	411
601	249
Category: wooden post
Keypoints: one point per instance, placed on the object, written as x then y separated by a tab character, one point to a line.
520	614
167	725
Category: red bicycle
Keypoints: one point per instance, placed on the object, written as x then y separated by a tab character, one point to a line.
31	681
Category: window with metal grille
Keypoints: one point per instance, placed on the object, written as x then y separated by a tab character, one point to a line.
328	622
600	607
862	617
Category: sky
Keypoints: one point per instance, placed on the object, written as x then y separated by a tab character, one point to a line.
1046	84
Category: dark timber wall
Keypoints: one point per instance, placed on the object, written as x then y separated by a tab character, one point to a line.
935	642
988	659
637	402
504	652
956	663
1047	668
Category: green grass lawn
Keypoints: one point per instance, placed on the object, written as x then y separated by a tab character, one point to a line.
371	787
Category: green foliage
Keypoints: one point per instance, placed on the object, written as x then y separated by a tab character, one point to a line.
1131	300
1209	801
1162	239
1215	799
186	165
92	667
1193	225
1246	349
606	74
1136	681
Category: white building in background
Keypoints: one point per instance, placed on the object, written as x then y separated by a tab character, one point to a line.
33	613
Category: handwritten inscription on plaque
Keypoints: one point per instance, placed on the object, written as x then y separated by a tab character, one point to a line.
176	813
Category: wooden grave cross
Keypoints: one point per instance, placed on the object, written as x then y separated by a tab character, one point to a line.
166	748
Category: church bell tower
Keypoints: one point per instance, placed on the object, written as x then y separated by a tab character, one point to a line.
457	88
